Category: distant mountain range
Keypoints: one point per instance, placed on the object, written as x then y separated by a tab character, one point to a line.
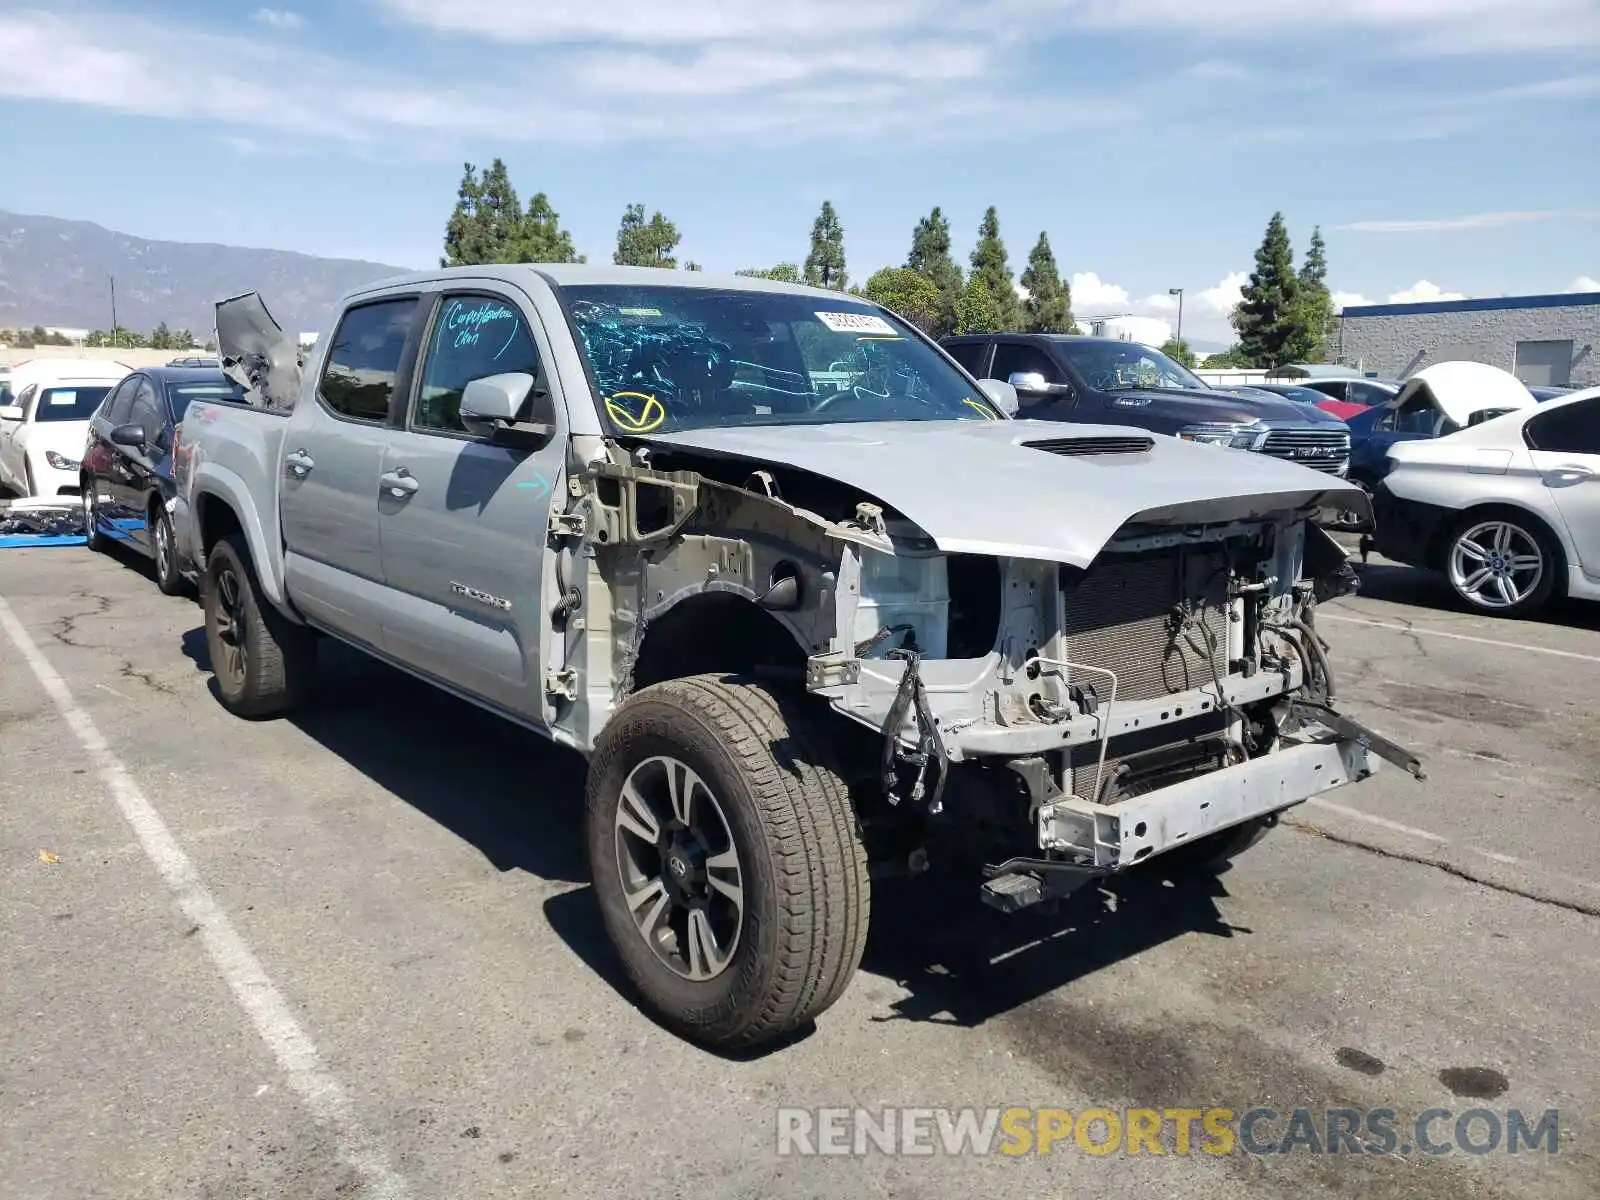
57	273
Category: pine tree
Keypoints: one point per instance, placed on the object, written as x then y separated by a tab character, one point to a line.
642	243
976	311
1318	320
989	263
930	257
540	238
465	240
1267	317
1049	303
825	263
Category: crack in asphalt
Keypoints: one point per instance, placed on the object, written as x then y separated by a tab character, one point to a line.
1449	868
127	671
65	628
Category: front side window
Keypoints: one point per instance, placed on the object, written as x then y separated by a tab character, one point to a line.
118	403
473	337
364	358
1125	366
1570	429
77	403
673	357
1010	360
146	410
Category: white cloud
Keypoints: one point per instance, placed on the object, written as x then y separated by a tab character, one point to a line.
1422	290
1221	297
789	85
279	18
1416	26
1488	220
1584	283
1091	295
1147	331
1343	300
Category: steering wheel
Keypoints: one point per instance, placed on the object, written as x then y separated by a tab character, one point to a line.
1103	381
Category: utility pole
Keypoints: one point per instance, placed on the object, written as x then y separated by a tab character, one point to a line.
1178	292
113	279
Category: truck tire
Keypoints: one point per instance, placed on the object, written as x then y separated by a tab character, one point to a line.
1215	851
713	804
263	664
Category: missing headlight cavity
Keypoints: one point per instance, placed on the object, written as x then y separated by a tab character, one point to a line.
975	596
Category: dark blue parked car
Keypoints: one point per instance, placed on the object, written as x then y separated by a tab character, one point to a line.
127	464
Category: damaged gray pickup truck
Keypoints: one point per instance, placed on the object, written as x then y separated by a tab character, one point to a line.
810	600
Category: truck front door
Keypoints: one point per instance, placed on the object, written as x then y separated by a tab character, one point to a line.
332	458
463	522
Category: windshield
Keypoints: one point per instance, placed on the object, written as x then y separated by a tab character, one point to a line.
180	394
666	358
69	403
1123	366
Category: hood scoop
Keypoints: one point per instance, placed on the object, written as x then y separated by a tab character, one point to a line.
1083	447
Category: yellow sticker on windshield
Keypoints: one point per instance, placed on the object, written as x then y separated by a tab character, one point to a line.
988	413
652	413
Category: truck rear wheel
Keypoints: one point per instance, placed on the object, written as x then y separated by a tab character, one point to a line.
263	663
726	858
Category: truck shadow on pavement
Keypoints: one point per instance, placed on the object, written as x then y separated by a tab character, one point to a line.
510	793
519	800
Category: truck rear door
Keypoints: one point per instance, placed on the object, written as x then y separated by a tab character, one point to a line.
463	522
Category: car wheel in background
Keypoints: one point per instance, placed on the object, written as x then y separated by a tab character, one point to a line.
165	550
91	519
263	663
1502	562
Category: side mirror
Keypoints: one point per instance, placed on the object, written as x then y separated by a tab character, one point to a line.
132	436
489	408
11	412
1002	393
1032	386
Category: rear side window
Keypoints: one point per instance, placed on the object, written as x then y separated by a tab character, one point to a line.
1570	429
970	356
364	359
473	337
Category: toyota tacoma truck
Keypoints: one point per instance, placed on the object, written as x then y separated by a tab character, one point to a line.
809	599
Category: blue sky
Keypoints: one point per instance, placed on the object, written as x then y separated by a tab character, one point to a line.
1444	146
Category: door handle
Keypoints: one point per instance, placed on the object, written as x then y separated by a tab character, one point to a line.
400	483
299	463
1576	470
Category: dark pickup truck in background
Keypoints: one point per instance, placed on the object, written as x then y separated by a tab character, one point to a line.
1105	381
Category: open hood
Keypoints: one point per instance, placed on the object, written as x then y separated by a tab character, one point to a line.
256	353
1031	489
1460	389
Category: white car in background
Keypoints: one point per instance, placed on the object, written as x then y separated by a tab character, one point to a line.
45	424
1508	509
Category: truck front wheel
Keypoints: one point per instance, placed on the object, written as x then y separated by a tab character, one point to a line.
726	858
263	663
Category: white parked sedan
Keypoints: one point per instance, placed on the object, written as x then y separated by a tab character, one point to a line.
43	429
1508	509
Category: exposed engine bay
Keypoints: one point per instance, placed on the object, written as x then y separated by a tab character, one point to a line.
1074	720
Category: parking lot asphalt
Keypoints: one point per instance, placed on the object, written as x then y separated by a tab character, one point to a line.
353	953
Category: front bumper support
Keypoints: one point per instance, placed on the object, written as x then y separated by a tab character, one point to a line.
1117	836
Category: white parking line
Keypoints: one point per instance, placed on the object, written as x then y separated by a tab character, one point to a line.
255	992
1460	637
1356	814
